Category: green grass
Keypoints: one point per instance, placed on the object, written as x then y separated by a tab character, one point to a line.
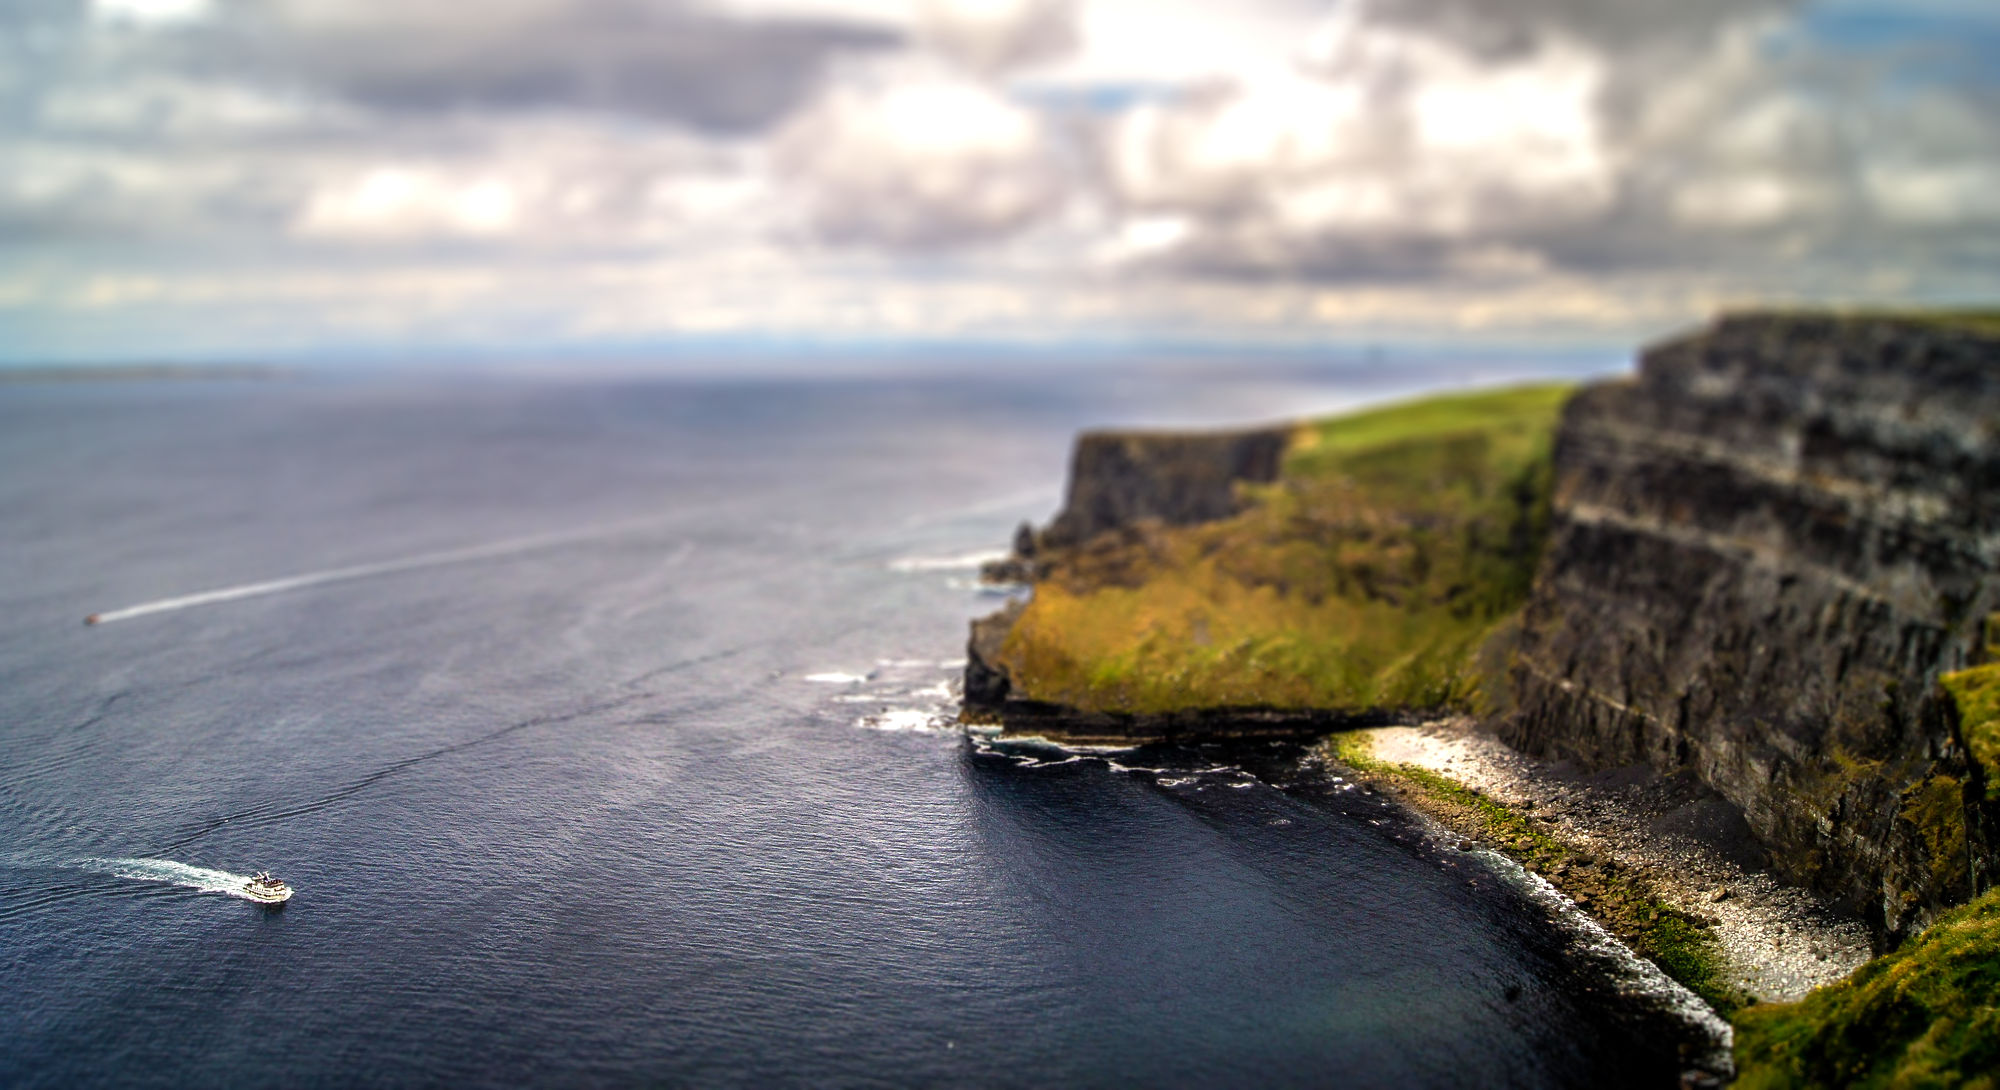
1927	1015
1981	320
1518	416
1681	945
1977	694
1365	578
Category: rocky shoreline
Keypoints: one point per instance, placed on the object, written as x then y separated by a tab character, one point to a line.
1778	941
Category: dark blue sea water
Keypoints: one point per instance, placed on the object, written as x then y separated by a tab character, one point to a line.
619	761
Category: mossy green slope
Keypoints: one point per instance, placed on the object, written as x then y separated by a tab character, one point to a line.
1977	693
1927	1015
1366	577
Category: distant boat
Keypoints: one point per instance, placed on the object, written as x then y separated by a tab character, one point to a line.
266	890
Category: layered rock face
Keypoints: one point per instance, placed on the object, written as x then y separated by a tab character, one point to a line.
1764	552
1117	479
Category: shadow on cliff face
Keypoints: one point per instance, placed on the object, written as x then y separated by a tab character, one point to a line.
1221	928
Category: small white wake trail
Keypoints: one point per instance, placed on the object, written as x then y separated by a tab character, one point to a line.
205	879
364	571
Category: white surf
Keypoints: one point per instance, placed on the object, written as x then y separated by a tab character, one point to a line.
205	879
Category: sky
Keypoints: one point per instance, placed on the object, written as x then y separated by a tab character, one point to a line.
224	179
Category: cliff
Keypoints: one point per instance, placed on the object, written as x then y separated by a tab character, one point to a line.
1768	561
1766	551
1119	479
1279	581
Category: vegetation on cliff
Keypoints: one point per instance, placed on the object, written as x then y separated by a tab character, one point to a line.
1366	577
1927	1015
1979	320
1977	694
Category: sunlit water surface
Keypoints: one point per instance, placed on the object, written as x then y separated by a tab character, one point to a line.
612	752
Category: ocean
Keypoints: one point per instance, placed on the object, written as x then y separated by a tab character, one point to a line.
601	721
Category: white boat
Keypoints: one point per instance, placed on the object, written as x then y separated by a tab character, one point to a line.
266	890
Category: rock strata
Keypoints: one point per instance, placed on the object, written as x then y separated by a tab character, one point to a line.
1118	479
1765	550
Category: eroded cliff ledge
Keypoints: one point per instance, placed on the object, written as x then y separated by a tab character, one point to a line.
1765	551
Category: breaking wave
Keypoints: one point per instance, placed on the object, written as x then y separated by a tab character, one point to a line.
906	695
964	562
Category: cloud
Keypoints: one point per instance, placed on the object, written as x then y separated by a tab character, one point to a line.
1433	138
996	36
148	11
669	59
1267	165
921	165
1501	28
1390	153
540	187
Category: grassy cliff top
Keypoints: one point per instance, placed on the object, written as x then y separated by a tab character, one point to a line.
1364	578
1984	321
1517	418
1927	1015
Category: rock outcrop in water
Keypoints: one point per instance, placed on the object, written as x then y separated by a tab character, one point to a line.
1759	557
1766	549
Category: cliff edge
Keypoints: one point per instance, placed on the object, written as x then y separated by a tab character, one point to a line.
1765	552
1286	580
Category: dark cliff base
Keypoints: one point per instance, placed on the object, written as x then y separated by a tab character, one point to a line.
989	699
1072	727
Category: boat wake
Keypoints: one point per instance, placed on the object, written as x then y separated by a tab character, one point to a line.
205	879
490	551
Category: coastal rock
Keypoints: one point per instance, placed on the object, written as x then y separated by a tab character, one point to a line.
1765	551
986	684
1118	479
